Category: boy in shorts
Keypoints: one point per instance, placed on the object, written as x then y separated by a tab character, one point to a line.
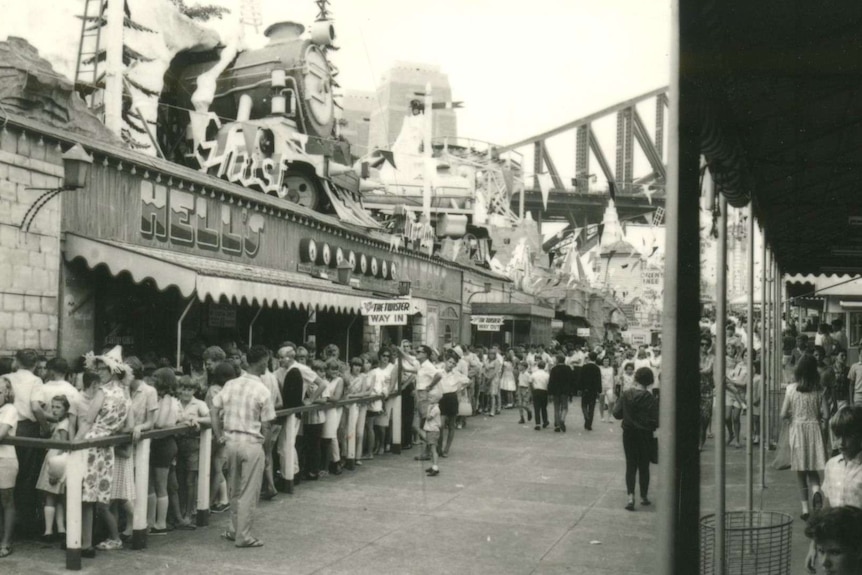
193	412
431	428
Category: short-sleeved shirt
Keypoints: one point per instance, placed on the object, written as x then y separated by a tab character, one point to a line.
843	481
854	375
270	380
144	399
9	416
453	380
194	409
540	379
425	375
52	389
246	403
24	384
433	419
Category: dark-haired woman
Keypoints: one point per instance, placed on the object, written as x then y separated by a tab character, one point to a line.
805	406
638	408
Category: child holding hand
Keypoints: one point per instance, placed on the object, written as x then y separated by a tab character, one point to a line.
52	478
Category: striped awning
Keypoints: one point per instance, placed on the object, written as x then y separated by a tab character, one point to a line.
214	279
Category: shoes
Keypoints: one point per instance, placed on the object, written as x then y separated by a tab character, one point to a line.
323	474
805	516
444	454
266	496
312	476
408	446
432	472
563	427
521	421
538	428
48	538
588	427
336	470
220	507
817	501
110	545
544	425
156	531
556	429
645	502
630	506
491	414
189	526
88	553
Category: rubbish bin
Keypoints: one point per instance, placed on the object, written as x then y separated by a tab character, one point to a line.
756	543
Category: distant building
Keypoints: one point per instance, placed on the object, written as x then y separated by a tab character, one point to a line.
356	119
397	88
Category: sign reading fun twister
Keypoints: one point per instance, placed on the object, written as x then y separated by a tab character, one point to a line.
387	312
487	322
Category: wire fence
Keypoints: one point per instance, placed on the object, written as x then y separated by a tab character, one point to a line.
756	543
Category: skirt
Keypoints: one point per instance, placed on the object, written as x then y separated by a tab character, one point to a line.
807	452
507	382
449	404
330	426
123	486
43	484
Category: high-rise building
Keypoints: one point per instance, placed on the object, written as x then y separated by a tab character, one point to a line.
398	86
356	119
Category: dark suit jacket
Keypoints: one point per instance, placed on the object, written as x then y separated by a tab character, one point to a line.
291	388
591	380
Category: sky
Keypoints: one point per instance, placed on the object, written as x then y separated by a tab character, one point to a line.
519	67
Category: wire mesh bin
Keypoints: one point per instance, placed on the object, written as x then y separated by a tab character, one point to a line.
756	543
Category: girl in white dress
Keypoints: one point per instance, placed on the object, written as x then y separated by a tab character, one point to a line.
508	385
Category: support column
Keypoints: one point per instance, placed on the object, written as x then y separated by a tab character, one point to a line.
142	487
395	448
777	341
764	365
74	483
720	373
679	462
749	390
202	517
288	455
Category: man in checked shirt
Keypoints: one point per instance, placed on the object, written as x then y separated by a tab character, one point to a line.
842	484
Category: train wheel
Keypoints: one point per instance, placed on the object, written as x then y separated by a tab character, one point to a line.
303	190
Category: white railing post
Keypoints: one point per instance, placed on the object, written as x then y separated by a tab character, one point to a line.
142	479
288	455
74	482
202	517
396	425
352	421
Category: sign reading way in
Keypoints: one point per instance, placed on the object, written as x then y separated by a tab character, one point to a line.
387	312
487	322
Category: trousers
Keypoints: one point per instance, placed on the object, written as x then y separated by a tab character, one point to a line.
561	408
540	404
636	446
588	407
245	471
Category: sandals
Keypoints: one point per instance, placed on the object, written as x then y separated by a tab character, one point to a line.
5	552
228	536
251	543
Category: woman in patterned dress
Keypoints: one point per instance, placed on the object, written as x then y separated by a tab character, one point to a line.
806	408
108	415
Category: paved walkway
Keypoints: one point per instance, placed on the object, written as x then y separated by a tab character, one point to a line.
509	500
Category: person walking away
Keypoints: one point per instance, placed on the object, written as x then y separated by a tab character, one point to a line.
523	394
638	410
606	402
539	380
248	411
842	478
591	387
805	408
560	388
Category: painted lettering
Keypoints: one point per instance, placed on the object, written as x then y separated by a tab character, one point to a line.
154	211
182	210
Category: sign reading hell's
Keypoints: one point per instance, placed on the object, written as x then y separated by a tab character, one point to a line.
387	312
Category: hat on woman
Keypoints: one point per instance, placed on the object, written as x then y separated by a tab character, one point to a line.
113	360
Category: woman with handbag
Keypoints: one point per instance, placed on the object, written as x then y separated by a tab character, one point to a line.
638	409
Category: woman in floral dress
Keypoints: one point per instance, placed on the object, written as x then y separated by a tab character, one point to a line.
107	416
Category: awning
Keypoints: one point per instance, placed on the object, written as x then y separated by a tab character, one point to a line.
511	309
212	278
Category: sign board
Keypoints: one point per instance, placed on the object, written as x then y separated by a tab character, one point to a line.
222	316
487	322
387	312
583	332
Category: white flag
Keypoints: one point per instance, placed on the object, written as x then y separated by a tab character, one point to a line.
545	184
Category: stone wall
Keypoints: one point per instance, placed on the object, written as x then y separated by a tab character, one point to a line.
29	261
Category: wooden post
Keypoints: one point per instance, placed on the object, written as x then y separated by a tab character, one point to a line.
352	422
142	485
396	424
202	517
720	373
288	463
74	482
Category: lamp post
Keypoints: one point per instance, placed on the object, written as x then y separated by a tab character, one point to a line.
76	175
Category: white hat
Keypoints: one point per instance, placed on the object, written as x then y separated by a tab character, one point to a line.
113	359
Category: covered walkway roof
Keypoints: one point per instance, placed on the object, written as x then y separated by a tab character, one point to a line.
781	100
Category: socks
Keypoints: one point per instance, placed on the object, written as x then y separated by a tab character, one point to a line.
49	519
161	513
61	518
151	510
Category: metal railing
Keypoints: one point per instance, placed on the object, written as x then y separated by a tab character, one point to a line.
77	463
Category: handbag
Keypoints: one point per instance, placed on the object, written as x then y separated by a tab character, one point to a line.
465	408
653	450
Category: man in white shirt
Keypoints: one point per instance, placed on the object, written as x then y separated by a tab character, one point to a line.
427	377
25	384
55	384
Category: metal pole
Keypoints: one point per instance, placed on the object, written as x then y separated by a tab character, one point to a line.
777	340
679	462
749	391
251	325
180	329
347	342
764	351
720	374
